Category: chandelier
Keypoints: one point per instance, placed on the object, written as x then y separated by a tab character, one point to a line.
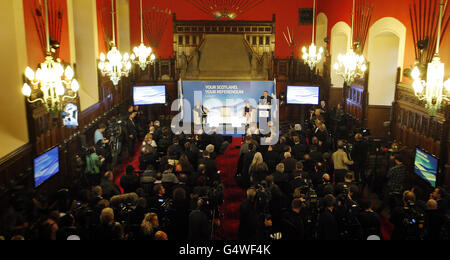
432	90
114	64
351	65
56	83
143	55
311	56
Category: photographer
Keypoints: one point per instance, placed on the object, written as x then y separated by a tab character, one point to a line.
93	164
347	212
341	162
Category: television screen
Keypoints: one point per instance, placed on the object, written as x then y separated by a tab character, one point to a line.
46	166
302	95
426	166
149	95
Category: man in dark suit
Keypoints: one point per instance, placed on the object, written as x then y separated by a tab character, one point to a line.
271	158
201	111
248	217
289	163
266	99
130	181
328	227
210	167
292	223
131	133
359	154
109	188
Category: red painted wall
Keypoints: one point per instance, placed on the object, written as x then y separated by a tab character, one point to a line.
340	10
104	24
34	50
286	12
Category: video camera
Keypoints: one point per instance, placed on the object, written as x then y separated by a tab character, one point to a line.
214	197
114	133
115	128
262	198
413	222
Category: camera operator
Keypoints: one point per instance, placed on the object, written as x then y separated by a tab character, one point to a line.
93	164
359	155
99	135
341	162
114	134
251	226
347	213
408	219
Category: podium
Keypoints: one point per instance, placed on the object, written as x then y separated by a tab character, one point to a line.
264	111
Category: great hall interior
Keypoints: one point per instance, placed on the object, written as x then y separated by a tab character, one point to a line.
317	120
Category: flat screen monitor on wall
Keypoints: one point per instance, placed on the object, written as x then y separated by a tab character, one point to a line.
46	166
149	95
426	166
303	95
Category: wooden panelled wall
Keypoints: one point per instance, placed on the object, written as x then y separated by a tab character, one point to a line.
413	127
356	100
46	132
356	104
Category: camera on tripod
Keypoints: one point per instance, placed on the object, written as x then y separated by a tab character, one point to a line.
115	128
214	198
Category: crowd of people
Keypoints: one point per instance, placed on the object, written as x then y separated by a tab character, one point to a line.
313	184
308	186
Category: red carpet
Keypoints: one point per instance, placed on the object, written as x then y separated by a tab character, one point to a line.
120	170
234	195
227	164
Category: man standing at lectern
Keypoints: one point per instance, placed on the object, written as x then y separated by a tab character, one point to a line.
266	99
202	113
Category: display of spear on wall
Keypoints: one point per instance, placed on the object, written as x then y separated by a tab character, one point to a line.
55	16
291	41
238	7
424	22
107	32
363	17
155	24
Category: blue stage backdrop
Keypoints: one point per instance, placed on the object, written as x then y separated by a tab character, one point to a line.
226	100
